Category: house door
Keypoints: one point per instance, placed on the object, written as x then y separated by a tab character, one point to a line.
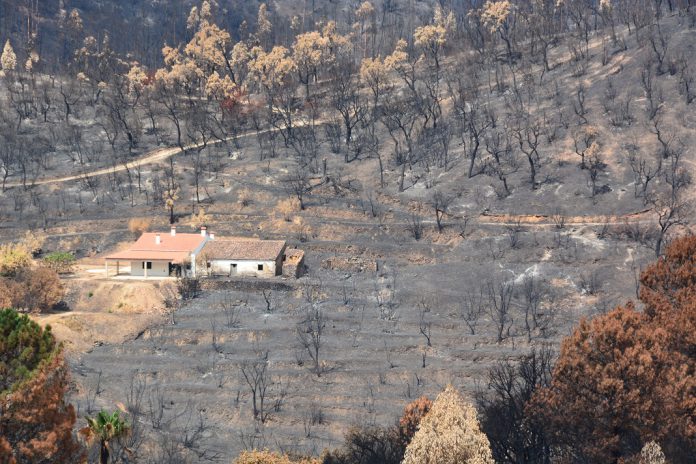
233	269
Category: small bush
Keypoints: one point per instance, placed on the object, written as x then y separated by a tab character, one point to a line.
370	445
14	257
188	287
139	225
33	242
287	207
60	261
245	197
268	457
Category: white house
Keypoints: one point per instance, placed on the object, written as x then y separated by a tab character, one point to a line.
160	255
244	256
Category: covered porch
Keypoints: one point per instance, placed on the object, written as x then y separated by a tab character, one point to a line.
147	265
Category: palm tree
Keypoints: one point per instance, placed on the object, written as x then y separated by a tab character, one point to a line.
105	427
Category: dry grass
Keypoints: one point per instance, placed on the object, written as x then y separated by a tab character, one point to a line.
138	225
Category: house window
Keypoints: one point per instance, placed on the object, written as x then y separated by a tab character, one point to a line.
147	264
260	267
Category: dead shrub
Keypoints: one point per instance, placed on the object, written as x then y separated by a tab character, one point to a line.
245	197
9	292
137	226
188	287
40	289
14	257
287	207
303	231
33	242
269	457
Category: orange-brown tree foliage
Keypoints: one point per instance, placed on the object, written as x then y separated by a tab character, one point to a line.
413	413
36	423
9	292
42	289
629	377
38	289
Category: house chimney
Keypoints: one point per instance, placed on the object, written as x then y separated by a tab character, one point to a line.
212	236
173	231
157	239
204	231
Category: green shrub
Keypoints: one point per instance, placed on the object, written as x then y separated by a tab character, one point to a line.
60	261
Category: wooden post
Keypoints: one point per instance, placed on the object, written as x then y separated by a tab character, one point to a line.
117	267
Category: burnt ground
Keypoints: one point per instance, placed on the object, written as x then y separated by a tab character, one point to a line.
376	284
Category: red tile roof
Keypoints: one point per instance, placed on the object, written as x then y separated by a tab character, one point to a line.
171	248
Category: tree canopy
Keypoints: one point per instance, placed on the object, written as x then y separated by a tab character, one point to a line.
36	424
24	346
629	377
449	434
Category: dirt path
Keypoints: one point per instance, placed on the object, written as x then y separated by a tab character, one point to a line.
550	220
153	156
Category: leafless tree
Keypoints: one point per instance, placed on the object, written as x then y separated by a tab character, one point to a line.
653	94
310	332
513	232
258	380
670	204
474	125
665	137
440	202
297	184
533	292
268	299
579	104
425	324
502	161
595	165
471	308
528	135
659	41
230	309
415	225
686	80
644	171
500	308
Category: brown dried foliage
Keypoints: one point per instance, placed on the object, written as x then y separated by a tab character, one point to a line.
36	424
413	413
629	377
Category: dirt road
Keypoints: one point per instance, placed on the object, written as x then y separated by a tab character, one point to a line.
154	156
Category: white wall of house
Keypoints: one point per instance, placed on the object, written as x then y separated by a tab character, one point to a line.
244	267
159	268
194	254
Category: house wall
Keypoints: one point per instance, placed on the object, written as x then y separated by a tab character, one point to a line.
244	267
294	268
279	263
194	254
159	269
